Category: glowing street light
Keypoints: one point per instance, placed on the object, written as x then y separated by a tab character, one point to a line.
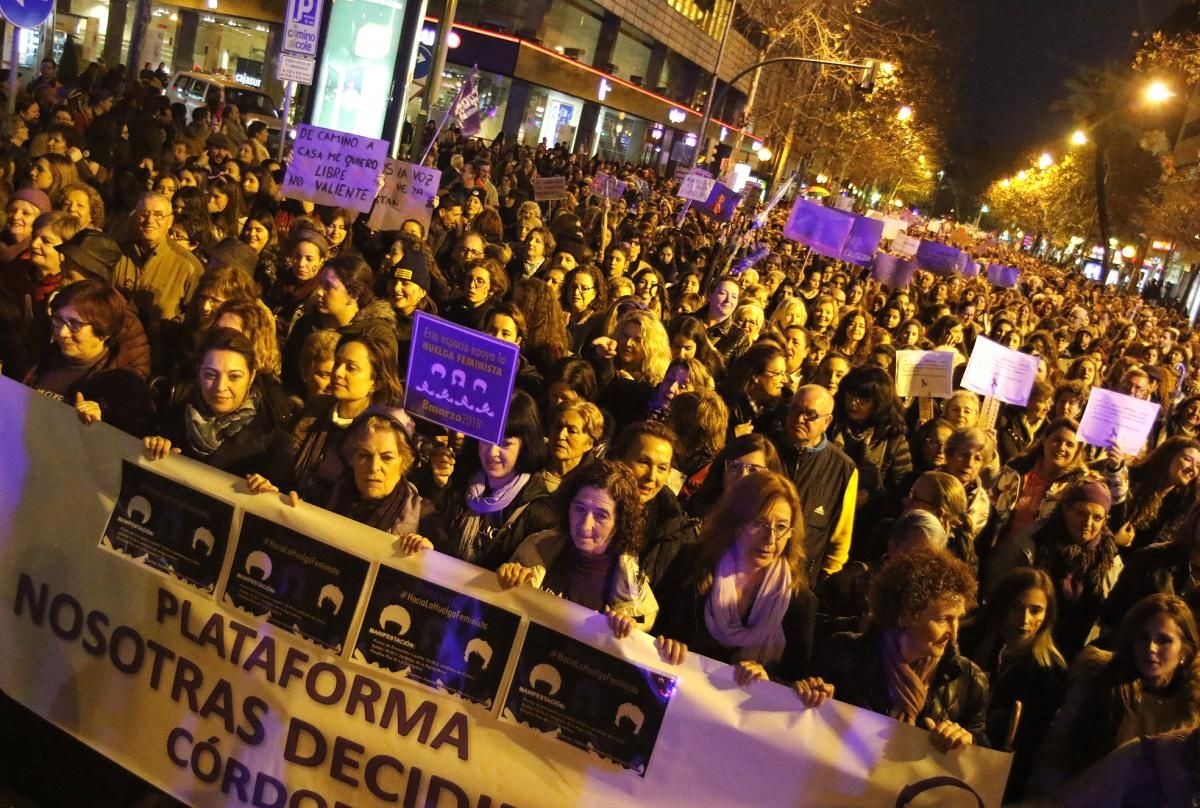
1079	138
1128	251
1157	92
764	154
1045	161
1021	175
905	113
822	179
985	209
1004	183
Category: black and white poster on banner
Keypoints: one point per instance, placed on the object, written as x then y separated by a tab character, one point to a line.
437	636
169	526
588	698
295	582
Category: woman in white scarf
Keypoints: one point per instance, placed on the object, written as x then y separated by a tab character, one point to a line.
740	594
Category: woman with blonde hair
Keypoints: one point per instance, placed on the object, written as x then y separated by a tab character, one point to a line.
637	349
789	312
84	203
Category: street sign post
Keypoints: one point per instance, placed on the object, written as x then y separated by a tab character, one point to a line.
22	14
295	68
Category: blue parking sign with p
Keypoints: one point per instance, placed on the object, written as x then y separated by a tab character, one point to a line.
301	27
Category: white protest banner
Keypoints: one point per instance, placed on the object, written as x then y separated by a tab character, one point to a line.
549	189
607	186
904	244
1001	373
843	203
696	187
1113	419
408	193
218	707
334	168
925	373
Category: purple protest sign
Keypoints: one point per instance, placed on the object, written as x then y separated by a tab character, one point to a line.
940	259
823	230
971	270
1000	275
459	378
893	270
864	241
721	203
608	186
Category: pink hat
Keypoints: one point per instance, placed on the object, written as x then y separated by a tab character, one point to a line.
34	197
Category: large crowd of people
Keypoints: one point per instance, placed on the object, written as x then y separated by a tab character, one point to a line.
707	449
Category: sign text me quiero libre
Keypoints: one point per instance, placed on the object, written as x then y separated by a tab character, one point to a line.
335	168
432	700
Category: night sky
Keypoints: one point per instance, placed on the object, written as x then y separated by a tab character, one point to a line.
1023	52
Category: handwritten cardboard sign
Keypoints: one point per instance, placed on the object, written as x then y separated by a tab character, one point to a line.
905	245
1113	419
408	193
335	168
549	189
1002	373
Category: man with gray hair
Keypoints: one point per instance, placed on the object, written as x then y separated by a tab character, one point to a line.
825	477
916	529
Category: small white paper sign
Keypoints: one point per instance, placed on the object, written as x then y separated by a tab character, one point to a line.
1115	419
696	187
925	373
999	372
549	189
893	227
904	244
844	203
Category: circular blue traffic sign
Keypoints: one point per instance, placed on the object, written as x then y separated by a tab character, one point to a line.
26	13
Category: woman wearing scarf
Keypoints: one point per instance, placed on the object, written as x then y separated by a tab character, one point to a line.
1076	548
906	665
740	593
306	252
364	373
503	499
223	422
591	557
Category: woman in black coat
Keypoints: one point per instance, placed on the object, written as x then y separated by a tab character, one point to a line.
224	423
740	594
907	665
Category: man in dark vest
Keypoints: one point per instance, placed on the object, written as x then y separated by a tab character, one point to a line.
825	478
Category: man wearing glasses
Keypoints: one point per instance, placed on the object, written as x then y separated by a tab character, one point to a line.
160	275
825	478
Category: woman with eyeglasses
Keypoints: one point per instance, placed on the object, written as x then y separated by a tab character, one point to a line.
740	594
584	297
741	456
484	284
754	389
84	368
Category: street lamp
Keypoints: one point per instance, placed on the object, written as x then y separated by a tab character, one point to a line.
1045	161
1079	138
1157	92
905	113
764	154
1004	183
1021	175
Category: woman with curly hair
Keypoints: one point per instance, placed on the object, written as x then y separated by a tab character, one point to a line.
1183	420
1149	684
547	340
584	299
591	557
852	336
740	593
906	664
1162	488
633	360
84	203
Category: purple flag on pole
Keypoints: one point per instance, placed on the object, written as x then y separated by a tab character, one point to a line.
1000	275
864	241
823	230
465	108
893	270
940	259
721	203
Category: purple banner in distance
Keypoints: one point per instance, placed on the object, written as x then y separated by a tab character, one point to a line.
822	229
